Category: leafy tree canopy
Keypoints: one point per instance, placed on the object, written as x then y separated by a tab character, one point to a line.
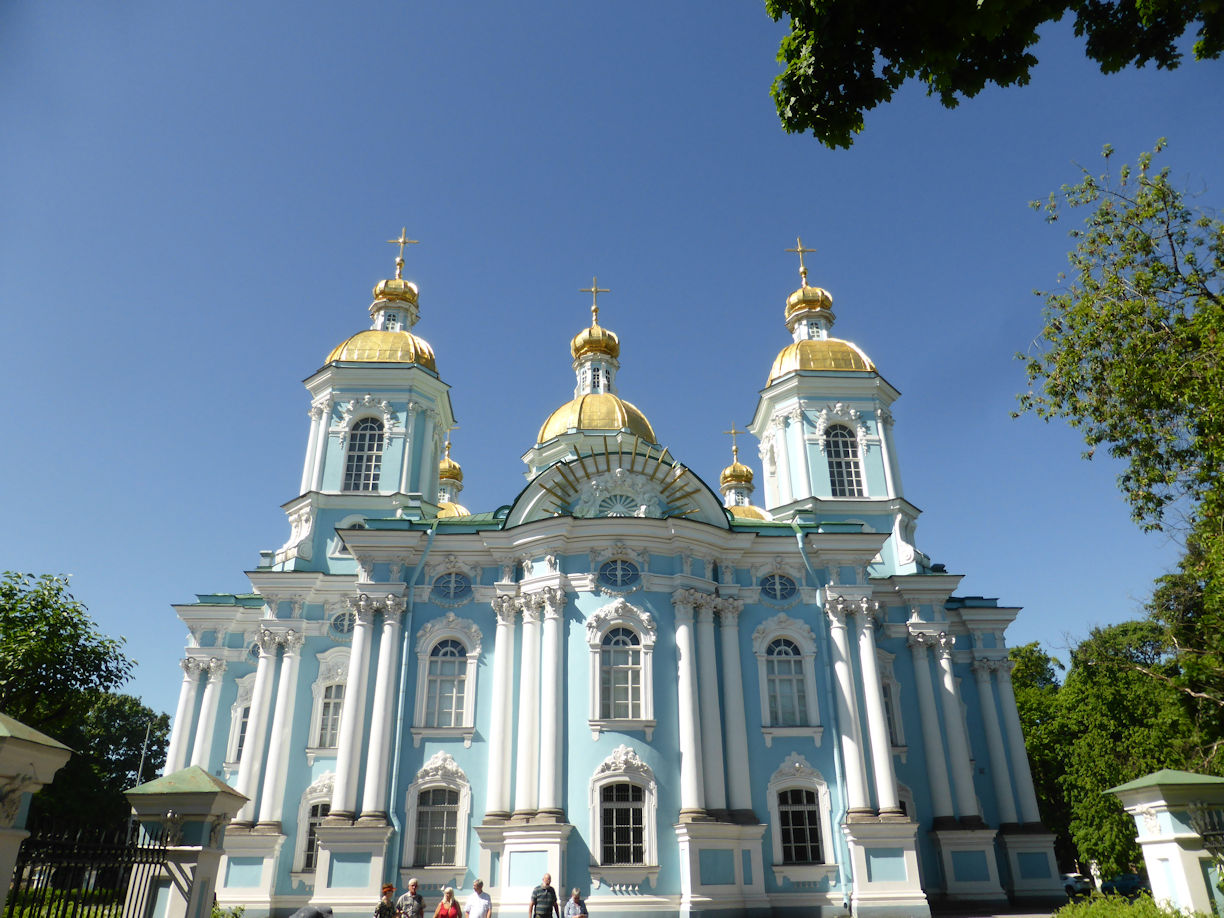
844	57
53	660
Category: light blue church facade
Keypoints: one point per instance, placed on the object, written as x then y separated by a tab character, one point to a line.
666	696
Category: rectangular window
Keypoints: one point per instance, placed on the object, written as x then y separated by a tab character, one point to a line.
787	695
310	856
437	827
329	720
799	826
621	824
243	717
447	685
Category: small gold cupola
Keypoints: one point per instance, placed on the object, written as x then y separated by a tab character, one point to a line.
393	313
736	485
809	318
450	483
595	406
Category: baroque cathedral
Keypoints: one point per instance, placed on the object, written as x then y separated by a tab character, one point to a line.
674	701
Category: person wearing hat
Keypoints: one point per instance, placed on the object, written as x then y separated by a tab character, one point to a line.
386	905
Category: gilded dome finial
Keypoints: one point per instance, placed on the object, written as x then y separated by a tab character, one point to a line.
736	475
801	251
594	290
402	241
595	339
734	446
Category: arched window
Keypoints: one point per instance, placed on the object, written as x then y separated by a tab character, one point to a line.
364	455
328	694
436	831
799	807
621	639
240	714
313	808
620	675
448	650
624	816
845	476
785	649
310	853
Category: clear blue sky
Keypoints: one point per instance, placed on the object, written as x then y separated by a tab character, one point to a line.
194	200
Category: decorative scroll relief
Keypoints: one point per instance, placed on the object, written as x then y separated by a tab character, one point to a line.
367	405
301	524
451	565
624	762
782	625
451	624
616	612
795	767
638	556
323	786
839	412
776	565
441	766
619	493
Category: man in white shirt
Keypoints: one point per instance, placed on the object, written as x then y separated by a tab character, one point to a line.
478	905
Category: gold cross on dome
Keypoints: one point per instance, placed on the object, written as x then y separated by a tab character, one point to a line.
402	241
801	251
594	290
734	446
448	433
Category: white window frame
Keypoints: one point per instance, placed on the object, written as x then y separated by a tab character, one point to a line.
320	791
796	774
333	670
892	708
853	463
246	689
621	614
468	634
441	771
798	633
625	766
350	446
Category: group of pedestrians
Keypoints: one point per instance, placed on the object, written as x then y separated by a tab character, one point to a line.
544	903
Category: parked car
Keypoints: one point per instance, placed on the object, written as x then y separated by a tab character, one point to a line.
1076	884
1128	884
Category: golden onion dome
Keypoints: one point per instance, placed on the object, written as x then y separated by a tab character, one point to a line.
806	298
448	468
376	346
396	289
748	512
735	474
595	340
598	411
448	509
819	354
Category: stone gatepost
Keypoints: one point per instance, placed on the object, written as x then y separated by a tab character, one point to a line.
192	808
1164	804
28	761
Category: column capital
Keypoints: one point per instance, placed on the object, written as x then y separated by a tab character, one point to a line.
982	668
532	607
1004	668
191	666
728	611
215	667
944	644
362	606
267	641
292	641
505	607
693	599
921	640
554	600
393	606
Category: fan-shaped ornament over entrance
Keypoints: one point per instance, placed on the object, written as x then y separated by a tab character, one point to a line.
620	493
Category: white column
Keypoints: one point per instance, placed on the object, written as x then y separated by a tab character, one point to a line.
739	784
526	779
202	747
272	799
932	741
847	711
877	716
308	462
958	742
352	712
251	763
498	803
176	753
428	454
1021	773
711	717
322	435
805	466
785	491
378	759
890	486
692	794
409	442
551	662
994	742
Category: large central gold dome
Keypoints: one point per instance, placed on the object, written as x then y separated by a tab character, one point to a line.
376	346
819	354
600	412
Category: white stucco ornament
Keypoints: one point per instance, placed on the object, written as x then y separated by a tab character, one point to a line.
441	765
619	493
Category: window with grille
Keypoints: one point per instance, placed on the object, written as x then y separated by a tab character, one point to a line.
310	853
799	825
785	684
329	721
437	826
845	476
364	455
620	675
447	684
622	838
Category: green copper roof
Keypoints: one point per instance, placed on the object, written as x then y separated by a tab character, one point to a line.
190	780
11	728
1168	776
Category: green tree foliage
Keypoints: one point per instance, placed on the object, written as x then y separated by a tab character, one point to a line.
1108	723
844	57
53	661
1119	907
109	740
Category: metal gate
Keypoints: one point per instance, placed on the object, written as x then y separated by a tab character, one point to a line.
85	874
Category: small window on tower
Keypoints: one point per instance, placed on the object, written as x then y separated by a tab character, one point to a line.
391	322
